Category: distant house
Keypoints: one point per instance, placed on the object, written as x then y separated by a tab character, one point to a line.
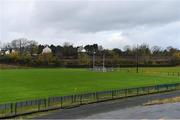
1	52
81	49
7	52
46	50
13	51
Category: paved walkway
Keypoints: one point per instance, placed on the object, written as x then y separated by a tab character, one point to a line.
93	110
163	111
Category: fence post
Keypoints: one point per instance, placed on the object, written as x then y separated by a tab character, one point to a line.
11	108
137	91
15	109
175	87
48	102
167	87
125	92
38	105
61	102
97	97
74	98
94	96
112	92
45	103
71	98
158	88
80	99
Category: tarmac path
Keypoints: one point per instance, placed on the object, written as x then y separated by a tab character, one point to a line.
95	109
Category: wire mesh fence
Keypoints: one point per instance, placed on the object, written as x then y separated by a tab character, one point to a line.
57	102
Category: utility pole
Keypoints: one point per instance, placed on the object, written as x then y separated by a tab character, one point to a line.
20	47
93	59
104	62
137	60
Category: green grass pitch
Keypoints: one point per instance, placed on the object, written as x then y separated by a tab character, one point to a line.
25	84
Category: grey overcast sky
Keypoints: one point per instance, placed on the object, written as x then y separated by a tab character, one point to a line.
111	23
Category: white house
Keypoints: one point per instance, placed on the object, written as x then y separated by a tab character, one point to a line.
1	52
7	52
81	49
13	51
46	50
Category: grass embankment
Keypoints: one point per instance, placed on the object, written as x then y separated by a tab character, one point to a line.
24	84
164	101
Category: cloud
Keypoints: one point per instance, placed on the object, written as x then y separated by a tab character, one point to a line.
164	35
109	23
105	15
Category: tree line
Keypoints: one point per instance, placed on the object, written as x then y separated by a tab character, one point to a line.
29	53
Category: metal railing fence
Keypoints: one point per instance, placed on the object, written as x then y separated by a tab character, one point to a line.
61	102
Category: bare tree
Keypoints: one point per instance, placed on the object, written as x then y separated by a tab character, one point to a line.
23	44
156	49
